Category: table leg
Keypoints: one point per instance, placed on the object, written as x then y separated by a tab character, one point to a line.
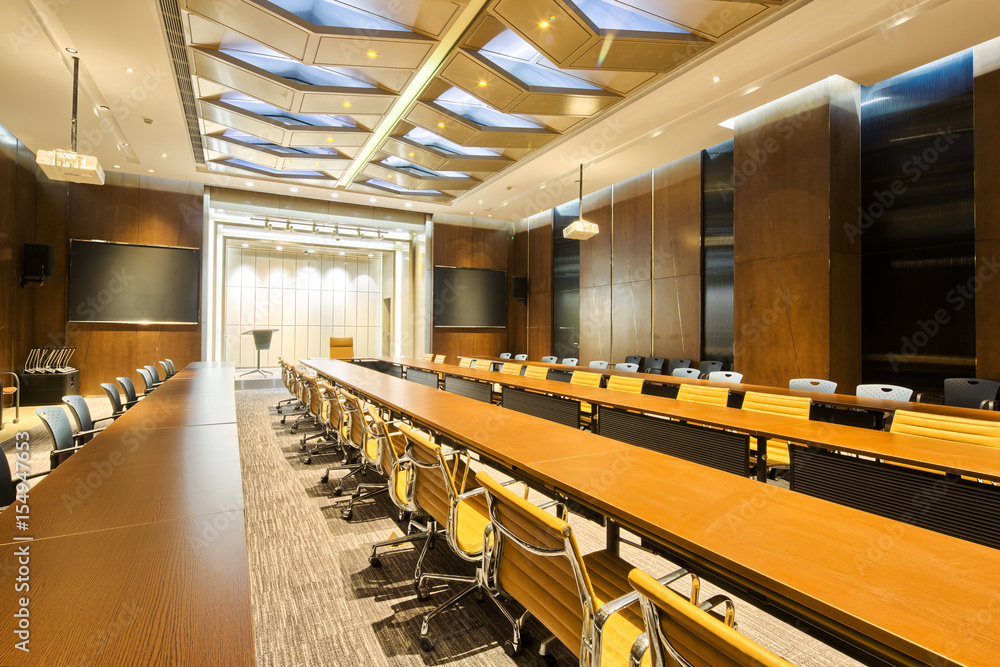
762	459
613	540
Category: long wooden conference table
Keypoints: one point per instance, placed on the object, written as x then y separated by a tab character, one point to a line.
906	595
137	551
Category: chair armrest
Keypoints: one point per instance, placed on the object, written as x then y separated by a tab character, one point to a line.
470	494
929	397
988	404
612	607
715	601
55	454
639	648
103	419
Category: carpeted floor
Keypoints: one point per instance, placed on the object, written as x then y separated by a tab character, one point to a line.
316	600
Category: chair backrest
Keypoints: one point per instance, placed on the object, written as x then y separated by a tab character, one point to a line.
511	368
391	447
332	413
632	385
439	359
710	366
535	560
598	364
153	373
699	393
8	486
315	398
58	426
632	368
520	357
570	361
674	364
969	392
427	356
725	376
341	348
128	388
813	384
166	369
549	360
653	365
466	362
146	378
81	411
942	427
685	372
634	359
173	369
358	434
505	355
676	627
887	391
537	372
777	404
113	397
586	379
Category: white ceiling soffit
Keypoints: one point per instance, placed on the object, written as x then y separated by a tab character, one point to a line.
467	105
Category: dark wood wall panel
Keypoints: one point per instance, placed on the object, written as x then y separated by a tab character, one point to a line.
595	253
632	230
476	247
10	314
517	311
987	142
676	263
631	325
787	175
595	323
540	285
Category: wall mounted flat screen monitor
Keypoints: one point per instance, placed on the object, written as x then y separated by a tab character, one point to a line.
469	297
133	284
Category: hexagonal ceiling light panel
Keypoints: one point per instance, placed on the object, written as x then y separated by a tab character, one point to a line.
424	99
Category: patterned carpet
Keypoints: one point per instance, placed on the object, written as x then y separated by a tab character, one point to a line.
316	600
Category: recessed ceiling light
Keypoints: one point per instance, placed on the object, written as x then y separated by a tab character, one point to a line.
347	105
480	201
505	203
372	54
562	159
163	155
543	24
411	154
334	195
370	255
104	107
151	171
372	199
408	204
310	251
716	79
482	84
472	212
249	184
315	164
489	215
246	245
278	247
329	138
126	145
440	124
72	50
294	189
542	188
118	166
342	252
129	70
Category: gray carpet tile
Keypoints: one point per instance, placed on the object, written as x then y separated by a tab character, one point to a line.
316	600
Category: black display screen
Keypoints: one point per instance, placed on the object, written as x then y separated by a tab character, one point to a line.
469	297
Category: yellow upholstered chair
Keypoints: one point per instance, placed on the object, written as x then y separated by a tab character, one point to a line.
510	368
439	359
360	449
629	384
341	348
427	356
697	393
536	372
465	362
777	404
584	601
682	632
585	379
945	427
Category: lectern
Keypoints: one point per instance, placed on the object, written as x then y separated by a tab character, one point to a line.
261	341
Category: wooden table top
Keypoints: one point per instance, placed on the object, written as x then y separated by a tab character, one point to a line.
915	591
166	593
839	400
138	552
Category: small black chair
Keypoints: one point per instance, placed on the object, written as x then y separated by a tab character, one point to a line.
674	364
653	365
634	359
707	367
964	393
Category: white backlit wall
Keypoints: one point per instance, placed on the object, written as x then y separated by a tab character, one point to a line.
307	298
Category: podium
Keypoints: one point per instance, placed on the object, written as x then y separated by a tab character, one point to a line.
261	341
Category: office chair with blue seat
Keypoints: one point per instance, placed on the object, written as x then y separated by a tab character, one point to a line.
64	442
114	398
131	398
81	412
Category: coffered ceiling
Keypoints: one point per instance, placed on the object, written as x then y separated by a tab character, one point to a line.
424	100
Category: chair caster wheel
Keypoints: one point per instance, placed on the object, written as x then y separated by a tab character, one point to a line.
337	491
324	479
480	595
546	661
510	649
294	431
307	460
423	592
346	514
375	561
283	419
427	643
303	442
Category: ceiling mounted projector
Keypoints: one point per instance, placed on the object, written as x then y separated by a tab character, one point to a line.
580	229
60	165
63	165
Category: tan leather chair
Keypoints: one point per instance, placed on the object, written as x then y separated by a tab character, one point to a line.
439	359
329	438
511	368
683	633
584	601
944	427
350	432
466	362
536	372
706	395
341	348
631	385
585	379
427	356
777	404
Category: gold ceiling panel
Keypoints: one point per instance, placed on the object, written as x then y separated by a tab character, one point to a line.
463	131
253	20
412	181
429	17
430	158
220	165
274	159
638	55
557	32
341	138
714	19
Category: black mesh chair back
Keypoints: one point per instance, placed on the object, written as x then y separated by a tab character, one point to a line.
969	392
653	365
674	364
707	367
634	359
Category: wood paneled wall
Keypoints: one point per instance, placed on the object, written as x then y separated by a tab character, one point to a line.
987	142
127	209
475	247
540	285
631	272
517	311
595	281
797	276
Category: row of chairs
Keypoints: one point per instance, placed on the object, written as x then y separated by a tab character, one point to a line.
67	439
588	602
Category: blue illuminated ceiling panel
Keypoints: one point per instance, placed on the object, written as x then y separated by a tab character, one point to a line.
610	16
280	115
335	15
236	162
439	143
416	170
400	189
471	108
293	70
